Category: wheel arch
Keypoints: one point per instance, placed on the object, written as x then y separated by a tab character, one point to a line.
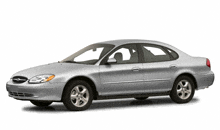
84	78
189	75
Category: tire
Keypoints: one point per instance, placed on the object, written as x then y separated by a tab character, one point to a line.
141	98
183	90
41	103
77	95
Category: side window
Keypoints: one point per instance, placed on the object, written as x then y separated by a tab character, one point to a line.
154	54
173	53
125	54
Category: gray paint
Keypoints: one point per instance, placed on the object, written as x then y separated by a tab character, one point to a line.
116	79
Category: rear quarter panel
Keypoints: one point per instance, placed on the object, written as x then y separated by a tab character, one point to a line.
196	66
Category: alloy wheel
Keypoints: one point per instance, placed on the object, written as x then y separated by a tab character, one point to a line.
79	96
184	89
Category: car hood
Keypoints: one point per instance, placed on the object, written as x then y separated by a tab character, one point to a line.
52	68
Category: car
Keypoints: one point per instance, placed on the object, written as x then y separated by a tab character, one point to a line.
114	69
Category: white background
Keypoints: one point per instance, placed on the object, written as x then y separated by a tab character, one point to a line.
39	32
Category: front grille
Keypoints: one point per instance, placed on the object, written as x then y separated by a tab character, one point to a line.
19	79
20	94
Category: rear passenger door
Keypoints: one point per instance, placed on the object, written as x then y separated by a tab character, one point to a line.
157	68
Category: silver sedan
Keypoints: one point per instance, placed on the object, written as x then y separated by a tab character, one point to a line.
114	69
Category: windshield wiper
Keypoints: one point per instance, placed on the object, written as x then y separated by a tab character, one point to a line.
69	61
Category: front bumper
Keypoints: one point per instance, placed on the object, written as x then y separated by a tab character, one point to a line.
42	92
204	80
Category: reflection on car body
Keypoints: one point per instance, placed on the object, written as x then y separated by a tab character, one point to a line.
114	69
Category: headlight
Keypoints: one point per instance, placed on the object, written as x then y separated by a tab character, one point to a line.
41	78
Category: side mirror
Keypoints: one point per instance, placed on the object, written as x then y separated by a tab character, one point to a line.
112	60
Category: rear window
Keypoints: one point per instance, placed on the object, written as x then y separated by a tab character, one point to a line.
173	53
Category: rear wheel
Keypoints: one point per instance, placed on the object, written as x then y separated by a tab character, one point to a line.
77	95
183	90
41	103
141	98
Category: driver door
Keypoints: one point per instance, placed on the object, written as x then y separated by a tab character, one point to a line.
125	76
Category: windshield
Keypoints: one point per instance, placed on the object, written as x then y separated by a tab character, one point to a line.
90	54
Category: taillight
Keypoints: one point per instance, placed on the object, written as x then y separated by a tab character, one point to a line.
208	63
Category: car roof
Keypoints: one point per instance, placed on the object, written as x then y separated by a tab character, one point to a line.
127	41
133	41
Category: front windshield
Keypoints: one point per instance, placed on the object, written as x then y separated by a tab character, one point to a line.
90	54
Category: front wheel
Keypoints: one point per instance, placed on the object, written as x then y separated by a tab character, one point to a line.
183	90
41	103
77	96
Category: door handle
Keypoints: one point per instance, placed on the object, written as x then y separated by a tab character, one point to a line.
135	69
173	67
